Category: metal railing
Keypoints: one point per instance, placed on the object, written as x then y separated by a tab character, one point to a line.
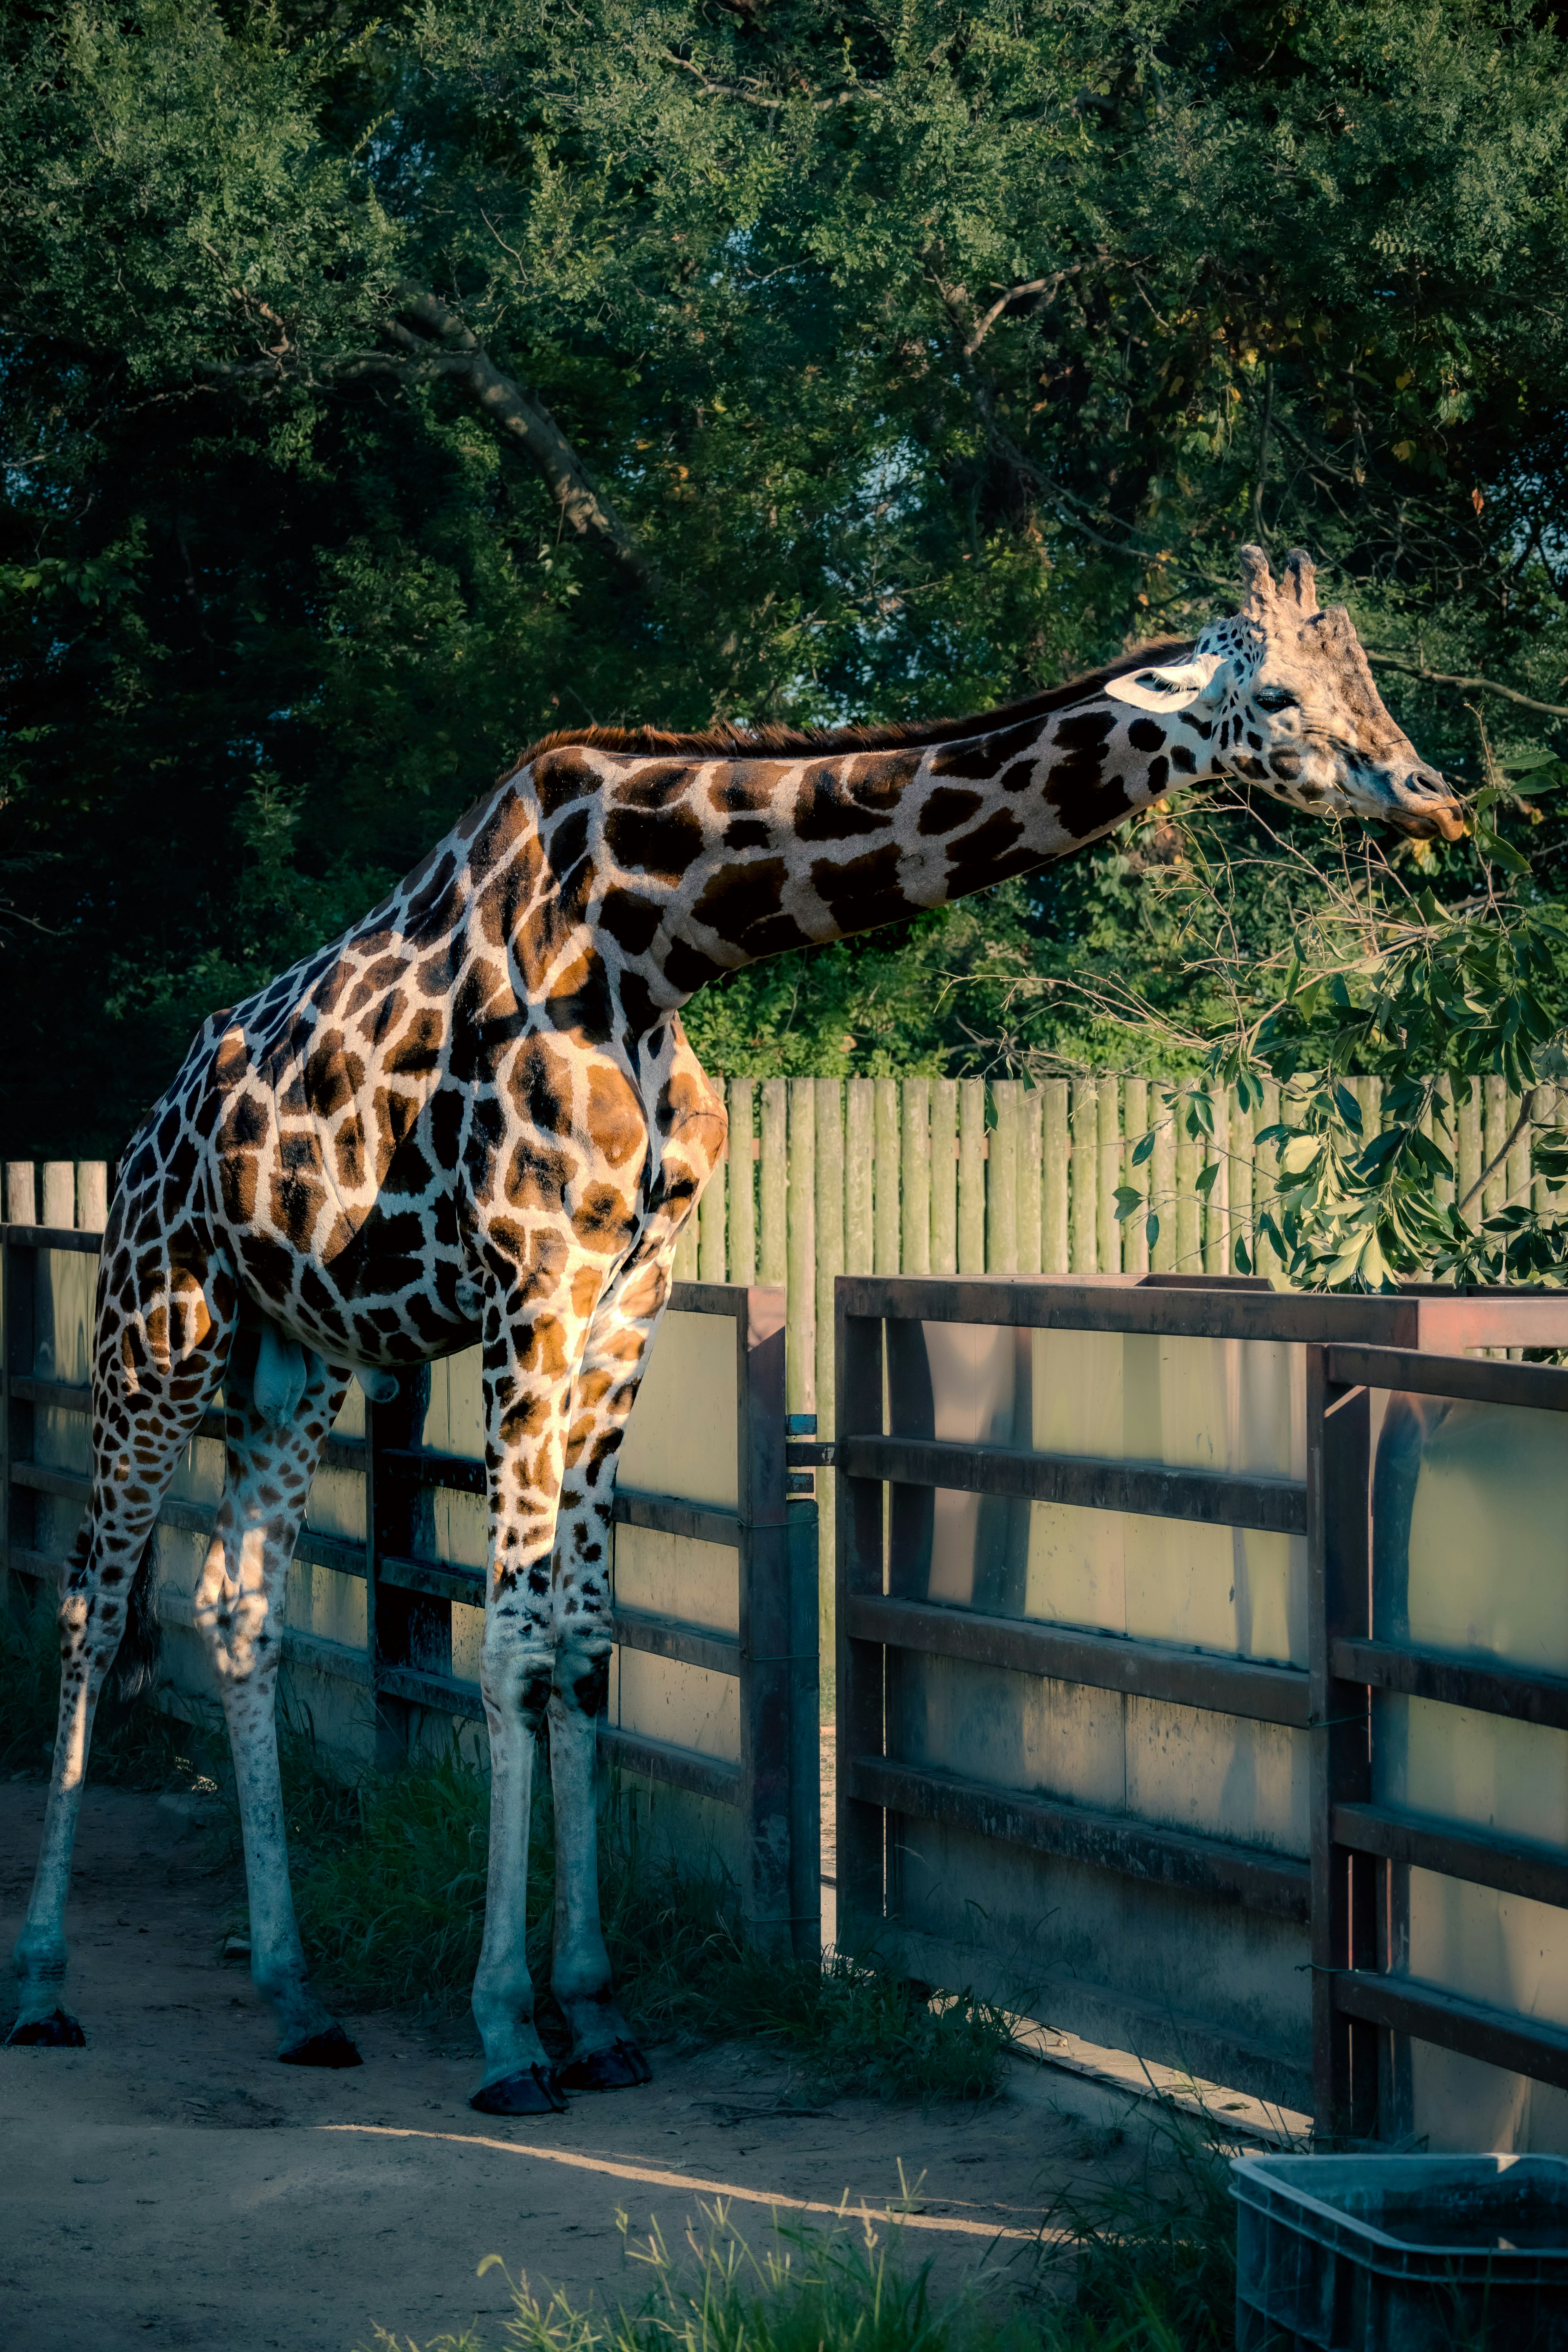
888	1475
772	1789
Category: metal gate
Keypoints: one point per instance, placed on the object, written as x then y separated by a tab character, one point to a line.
1085	1725
713	1723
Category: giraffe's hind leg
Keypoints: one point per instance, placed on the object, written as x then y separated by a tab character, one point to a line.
161	1335
239	1611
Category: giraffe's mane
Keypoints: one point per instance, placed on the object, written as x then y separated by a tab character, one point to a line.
770	742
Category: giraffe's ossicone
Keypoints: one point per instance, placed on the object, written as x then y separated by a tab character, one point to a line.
476	1116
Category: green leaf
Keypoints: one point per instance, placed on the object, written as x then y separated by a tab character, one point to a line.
1207	1177
1152	1230
1127	1202
1143	1149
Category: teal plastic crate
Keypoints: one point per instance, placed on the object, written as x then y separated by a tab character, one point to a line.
1401	2254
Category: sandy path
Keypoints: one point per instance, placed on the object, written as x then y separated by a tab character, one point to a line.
171	2185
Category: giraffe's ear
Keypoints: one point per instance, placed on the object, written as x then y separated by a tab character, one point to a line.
1175	688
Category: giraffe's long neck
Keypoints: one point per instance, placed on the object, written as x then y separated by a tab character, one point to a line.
809	847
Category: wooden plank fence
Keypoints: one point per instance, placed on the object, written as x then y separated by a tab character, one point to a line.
884	1176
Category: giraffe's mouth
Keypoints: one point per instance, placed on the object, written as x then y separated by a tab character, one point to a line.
1444	824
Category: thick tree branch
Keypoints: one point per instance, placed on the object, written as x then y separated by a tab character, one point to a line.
1471	685
432	341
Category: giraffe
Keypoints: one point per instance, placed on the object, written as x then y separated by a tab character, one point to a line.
477	1115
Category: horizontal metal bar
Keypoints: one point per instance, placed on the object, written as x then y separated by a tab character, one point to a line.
1236	1687
1514	1691
51	1237
1474	1380
810	1453
1498	2036
1148	1489
324	1657
45	1564
339	1553
458	1473
678	1768
669	1637
1515	1865
667	1515
443	1579
1136	1849
337	1453
1128	1303
443	1692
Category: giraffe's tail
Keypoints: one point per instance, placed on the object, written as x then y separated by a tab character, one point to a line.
135	1672
135	1669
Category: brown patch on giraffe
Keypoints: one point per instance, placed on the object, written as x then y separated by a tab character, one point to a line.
946	809
616	1127
663	843
746	787
739	900
987	845
419	1051
539	1085
585	1287
864	892
604	1220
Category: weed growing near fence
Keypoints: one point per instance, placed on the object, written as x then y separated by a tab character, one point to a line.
1149	2268
133	1747
390	1888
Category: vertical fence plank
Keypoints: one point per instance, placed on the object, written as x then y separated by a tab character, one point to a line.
1135	1125
1085	1170
1516	1184
1056	1255
829	1266
742	1182
92	1195
710	1252
1189	1208
944	1176
915	1170
1031	1180
58	1205
772	1183
971	1176
687	1255
1542	1115
885	1161
859	1139
1241	1161
829	1231
1108	1175
801	1334
1468	1160
1002	1182
1216	1210
1162	1112
21	1208
1445	1136
1494	1134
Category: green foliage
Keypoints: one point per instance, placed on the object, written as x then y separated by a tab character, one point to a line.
918	355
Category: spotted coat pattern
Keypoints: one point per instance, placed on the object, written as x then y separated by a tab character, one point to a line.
477	1116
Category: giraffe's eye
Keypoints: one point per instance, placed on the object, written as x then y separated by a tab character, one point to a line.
1276	697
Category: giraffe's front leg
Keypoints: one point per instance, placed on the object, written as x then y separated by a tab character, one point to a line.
528	1364
604	2053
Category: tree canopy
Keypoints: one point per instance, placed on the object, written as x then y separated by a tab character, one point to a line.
381	389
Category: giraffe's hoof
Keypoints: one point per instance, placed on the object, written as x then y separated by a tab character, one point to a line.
56	2031
533	2092
614	2069
331	2048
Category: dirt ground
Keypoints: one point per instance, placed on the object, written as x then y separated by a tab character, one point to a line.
172	2185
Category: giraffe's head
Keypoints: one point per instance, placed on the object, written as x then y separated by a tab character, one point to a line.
1290	696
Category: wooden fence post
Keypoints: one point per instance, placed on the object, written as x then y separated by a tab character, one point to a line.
1085	1168
1135	1228
773	1185
1165	1111
742	1251
859	1166
915	1157
1055	1256
1002	1183
1031	1180
971	1176
885	1168
944	1176
1107	1173
801	1165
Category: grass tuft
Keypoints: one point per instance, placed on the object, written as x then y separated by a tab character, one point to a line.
390	1889
133	1745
